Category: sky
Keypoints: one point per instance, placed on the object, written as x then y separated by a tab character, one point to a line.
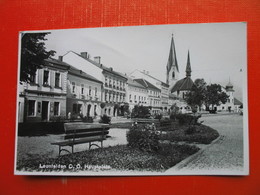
218	51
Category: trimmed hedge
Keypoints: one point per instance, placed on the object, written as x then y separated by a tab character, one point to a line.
105	119
202	134
187	119
144	137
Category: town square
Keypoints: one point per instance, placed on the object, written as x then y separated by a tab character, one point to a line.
164	99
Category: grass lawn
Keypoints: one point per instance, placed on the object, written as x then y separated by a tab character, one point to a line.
123	157
119	157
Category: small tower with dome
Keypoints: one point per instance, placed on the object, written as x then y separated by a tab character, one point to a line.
230	92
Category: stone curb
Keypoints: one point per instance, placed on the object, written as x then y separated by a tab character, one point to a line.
186	161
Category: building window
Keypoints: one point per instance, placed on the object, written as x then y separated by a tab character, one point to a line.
129	96
77	108
73	87
31	108
173	74
46	77
105	96
95	91
34	77
82	89
56	108
89	91
57	80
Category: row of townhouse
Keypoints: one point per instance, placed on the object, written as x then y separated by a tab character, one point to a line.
120	89
59	90
75	85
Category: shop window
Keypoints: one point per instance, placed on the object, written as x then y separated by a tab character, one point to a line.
56	108
31	108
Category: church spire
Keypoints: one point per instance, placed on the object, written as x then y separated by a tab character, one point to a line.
188	67
172	60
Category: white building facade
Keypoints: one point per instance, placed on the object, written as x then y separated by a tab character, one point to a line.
136	94
114	83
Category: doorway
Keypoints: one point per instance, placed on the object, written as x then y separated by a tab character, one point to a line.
45	110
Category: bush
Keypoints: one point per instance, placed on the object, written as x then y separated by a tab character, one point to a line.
57	118
186	119
202	134
190	130
140	112
105	119
143	137
158	116
87	119
212	111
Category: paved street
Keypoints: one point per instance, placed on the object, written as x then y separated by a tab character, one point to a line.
40	146
223	156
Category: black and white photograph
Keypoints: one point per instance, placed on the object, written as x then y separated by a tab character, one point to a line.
135	100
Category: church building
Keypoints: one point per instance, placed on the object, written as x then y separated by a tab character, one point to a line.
178	88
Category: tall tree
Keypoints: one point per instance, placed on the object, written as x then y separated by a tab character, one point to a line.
33	53
214	95
196	97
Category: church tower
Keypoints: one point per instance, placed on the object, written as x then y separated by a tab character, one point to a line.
172	69
188	67
230	92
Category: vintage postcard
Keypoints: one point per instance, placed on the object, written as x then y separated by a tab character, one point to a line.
139	100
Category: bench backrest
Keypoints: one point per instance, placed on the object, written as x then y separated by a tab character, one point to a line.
83	130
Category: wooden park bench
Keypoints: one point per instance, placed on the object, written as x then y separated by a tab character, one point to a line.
80	133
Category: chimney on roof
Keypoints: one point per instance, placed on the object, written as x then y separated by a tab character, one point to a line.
61	58
84	55
111	68
97	59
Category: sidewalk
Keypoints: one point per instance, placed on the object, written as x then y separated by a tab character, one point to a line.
225	156
40	146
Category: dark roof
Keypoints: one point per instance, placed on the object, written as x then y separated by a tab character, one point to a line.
237	102
164	84
101	66
172	60
146	84
58	63
188	67
71	69
229	87
80	73
183	85
135	83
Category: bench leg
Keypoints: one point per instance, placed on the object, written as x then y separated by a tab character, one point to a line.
59	150
102	144
72	149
